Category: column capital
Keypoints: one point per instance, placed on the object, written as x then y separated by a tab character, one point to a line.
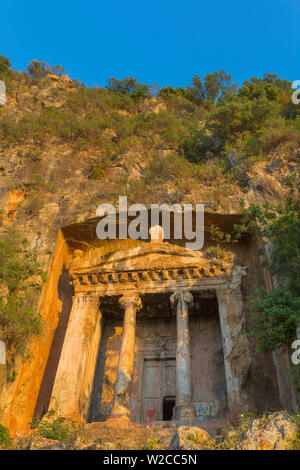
92	297
131	299
184	295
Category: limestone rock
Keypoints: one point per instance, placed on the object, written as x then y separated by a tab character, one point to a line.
268	433
189	438
82	442
42	443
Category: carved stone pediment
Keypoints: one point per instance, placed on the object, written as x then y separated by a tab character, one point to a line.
155	255
148	255
146	263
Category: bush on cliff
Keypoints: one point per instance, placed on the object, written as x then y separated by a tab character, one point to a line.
21	279
277	314
61	429
5	439
206	119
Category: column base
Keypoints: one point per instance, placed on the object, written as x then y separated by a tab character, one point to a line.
119	411
184	413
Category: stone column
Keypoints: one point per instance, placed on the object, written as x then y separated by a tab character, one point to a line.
131	303
76	368
184	409
236	348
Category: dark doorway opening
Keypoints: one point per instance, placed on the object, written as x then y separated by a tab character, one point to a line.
168	405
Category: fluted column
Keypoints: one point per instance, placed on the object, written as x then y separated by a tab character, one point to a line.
131	304
76	368
184	409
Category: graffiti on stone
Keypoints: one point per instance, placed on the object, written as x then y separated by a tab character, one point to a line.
206	410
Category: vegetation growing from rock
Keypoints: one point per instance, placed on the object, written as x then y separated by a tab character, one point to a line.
293	442
59	429
269	431
97	173
277	314
20	279
203	120
4	436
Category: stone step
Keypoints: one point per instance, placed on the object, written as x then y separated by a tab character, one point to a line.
97	429
212	426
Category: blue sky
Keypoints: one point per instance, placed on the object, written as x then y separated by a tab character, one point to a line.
164	42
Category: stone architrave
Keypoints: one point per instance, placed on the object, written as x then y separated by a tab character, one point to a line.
184	409
131	304
75	373
234	338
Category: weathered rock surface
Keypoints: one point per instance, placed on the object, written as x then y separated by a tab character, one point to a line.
42	443
189	438
270	433
273	432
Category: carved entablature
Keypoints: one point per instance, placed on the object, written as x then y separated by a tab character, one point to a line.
147	267
146	275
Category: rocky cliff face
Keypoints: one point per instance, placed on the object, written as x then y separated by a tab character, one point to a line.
48	183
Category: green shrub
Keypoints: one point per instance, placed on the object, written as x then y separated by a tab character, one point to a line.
276	318
170	91
151	444
277	314
198	121
97	173
279	225
138	95
60	429
127	86
4	435
236	115
58	70
213	86
251	145
21	278
133	189
4	66
293	442
279	134
38	69
167	168
196	146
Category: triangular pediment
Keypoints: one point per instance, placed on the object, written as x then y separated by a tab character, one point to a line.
154	255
